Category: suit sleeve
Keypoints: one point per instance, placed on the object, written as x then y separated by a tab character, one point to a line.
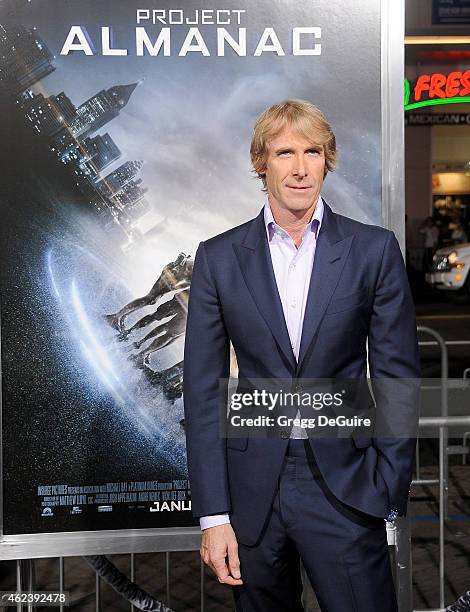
206	361
395	374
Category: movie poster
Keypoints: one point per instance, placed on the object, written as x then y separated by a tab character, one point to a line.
125	131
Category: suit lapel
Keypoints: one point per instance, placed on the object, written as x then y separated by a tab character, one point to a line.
330	256
255	262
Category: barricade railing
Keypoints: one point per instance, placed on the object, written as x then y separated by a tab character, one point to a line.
25	582
403	565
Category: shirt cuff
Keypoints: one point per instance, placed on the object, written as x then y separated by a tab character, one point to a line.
213	520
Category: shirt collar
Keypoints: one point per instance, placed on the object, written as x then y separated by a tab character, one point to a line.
313	226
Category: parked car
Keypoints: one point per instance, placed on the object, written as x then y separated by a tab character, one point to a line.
450	272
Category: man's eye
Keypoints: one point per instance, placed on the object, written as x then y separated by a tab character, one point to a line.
284	153
314	152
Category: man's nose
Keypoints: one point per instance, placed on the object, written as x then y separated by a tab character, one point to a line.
300	168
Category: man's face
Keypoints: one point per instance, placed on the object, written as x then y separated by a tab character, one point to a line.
295	169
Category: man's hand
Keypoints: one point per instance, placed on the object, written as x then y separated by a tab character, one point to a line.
219	550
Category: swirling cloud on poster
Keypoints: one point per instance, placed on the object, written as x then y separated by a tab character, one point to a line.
161	42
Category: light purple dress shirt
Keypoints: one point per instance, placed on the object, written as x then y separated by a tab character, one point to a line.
292	268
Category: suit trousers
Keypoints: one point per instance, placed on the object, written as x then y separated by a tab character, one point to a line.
344	551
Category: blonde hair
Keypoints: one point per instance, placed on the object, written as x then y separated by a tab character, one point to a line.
299	115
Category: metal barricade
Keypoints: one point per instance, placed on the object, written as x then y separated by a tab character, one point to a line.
403	566
442	480
25	582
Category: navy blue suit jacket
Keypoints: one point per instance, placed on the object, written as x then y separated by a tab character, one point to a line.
358	291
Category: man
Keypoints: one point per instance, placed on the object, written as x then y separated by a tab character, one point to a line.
300	292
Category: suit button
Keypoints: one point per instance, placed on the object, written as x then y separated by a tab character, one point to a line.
284	433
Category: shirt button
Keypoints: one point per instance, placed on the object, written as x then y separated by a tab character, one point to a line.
293	304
